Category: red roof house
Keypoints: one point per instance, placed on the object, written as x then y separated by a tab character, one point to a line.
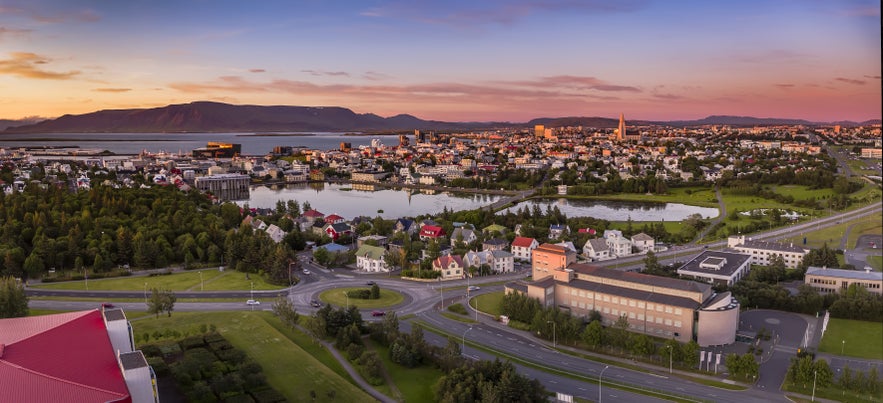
67	357
334	219
431	232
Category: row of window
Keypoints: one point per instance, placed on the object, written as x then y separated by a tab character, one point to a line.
631	315
625	301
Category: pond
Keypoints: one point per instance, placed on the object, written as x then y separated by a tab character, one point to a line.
619	210
349	201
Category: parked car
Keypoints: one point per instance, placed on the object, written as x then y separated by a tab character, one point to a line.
315	304
107	305
252	302
378	313
473	288
306	271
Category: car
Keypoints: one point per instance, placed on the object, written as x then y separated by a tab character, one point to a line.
315	304
252	302
107	305
378	313
473	288
370	283
306	271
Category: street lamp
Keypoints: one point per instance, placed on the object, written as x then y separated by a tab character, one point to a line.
815	374
201	284
86	279
463	349
442	290
145	292
252	294
554	334
347	299
599	382
842	346
669	358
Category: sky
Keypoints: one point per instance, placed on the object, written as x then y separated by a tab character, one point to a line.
452	60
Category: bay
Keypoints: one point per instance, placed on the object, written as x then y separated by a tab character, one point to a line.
618	210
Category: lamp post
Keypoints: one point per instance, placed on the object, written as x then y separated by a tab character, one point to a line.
201	284
842	346
554	334
145	292
442	290
86	279
599	382
347	300
252	294
669	358
463	349
815	374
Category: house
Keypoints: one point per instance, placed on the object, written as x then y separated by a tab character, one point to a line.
596	249
336	230
466	236
275	233
494	244
334	219
428	232
643	243
451	267
558	230
548	258
523	246
618	244
377	240
503	262
405	225
312	216
494	229
370	258
568	244
85	356
477	259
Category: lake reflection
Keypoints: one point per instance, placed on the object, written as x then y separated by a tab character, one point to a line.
619	210
334	199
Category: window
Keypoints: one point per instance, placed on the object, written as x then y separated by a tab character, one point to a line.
668	309
649	306
640	304
631	315
640	316
606	298
615	312
632	303
668	322
615	300
658	308
606	310
677	323
582	293
573	291
678	311
649	318
659	320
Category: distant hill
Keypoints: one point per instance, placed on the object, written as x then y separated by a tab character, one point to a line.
220	117
752	121
6	123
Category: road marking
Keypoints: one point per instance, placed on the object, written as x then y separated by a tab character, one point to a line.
658	376
582	389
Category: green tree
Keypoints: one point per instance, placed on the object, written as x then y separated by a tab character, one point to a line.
284	309
161	301
375	291
13	300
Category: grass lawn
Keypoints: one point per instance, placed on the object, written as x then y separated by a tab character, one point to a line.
872	225
832	393
337	296
703	197
829	235
672	227
212	280
876	262
488	303
415	384
863	339
749	203
289	369
800	192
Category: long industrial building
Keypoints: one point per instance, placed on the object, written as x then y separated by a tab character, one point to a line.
657	306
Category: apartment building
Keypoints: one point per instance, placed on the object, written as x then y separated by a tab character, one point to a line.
761	252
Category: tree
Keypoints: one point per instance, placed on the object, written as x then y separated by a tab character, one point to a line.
284	309
321	255
13	300
651	263
375	291
593	335
161	301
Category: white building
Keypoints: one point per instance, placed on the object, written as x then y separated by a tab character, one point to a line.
522	247
643	243
370	258
596	249
714	267
761	252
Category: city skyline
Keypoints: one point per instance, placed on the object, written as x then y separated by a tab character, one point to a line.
457	61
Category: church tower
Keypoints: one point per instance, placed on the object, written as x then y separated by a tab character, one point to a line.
620	135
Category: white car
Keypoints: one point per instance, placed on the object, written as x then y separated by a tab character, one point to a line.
252	302
306	271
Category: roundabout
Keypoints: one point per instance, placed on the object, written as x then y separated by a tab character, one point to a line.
338	296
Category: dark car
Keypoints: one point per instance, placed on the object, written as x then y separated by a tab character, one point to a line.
370	283
107	305
378	313
315	304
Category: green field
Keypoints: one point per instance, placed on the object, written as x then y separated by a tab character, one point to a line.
876	262
289	368
800	192
211	280
834	234
703	197
337	296
873	225
414	384
488	303
855	338
672	227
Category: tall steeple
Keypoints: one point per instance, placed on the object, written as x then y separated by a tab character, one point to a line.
620	135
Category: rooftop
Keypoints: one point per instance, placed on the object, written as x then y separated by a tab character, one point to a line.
715	262
849	274
639	278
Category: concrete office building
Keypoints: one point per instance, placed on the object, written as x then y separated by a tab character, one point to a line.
826	281
225	186
716	267
761	252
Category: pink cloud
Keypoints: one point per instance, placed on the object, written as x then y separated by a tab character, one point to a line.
850	81
26	64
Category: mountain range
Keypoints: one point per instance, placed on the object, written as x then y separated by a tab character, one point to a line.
219	117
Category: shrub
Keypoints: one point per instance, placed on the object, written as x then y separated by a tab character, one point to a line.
359	294
220	345
458	308
269	396
233	356
159	366
192	342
